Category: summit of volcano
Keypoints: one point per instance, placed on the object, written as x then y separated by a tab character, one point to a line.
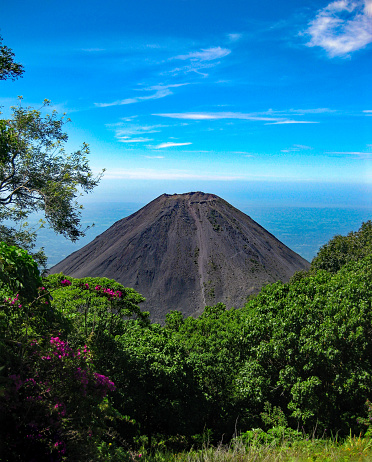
186	251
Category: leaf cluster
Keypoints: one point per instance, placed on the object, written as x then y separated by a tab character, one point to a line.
8	68
36	173
19	273
342	249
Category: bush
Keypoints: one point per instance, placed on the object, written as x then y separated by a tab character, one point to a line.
19	273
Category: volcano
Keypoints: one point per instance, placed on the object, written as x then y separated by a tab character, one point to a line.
185	251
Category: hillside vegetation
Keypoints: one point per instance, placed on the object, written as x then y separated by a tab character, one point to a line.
84	375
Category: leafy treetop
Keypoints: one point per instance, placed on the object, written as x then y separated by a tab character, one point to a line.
8	68
344	249
36	173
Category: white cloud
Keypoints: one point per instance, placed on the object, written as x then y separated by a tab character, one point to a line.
93	50
368	7
200	60
124	130
161	91
357	154
320	110
216	116
362	154
127	139
132	133
150	174
154	157
342	27
234	37
232	115
188	116
284	122
296	148
157	95
170	145
208	54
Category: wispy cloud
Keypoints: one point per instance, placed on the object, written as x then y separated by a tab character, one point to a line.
174	174
234	37
170	145
200	60
215	116
157	95
297	148
319	110
127	139
154	157
208	54
130	133
93	50
231	115
360	154
284	122
342	27
161	91
151	174
122	129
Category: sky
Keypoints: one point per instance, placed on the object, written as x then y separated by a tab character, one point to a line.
180	95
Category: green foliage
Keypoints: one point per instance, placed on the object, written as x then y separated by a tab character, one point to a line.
19	273
95	305
160	388
310	347
367	421
305	347
8	68
36	174
174	320
54	404
343	249
274	437
278	433
8	142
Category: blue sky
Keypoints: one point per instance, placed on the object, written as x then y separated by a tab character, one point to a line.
179	95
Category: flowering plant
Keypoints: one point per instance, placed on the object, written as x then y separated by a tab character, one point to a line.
52	404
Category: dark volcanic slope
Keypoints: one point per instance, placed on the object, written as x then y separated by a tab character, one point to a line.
185	251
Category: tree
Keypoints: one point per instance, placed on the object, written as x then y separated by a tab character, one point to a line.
343	249
8	68
36	173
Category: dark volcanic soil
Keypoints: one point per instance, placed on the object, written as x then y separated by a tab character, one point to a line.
185	251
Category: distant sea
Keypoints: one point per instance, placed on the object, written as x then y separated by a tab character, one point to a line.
303	229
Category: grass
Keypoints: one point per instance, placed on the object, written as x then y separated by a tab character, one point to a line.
350	450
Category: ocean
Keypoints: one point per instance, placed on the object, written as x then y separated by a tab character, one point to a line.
304	229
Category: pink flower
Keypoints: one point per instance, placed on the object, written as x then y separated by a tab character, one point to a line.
66	282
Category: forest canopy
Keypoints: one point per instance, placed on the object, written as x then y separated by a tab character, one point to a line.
81	351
